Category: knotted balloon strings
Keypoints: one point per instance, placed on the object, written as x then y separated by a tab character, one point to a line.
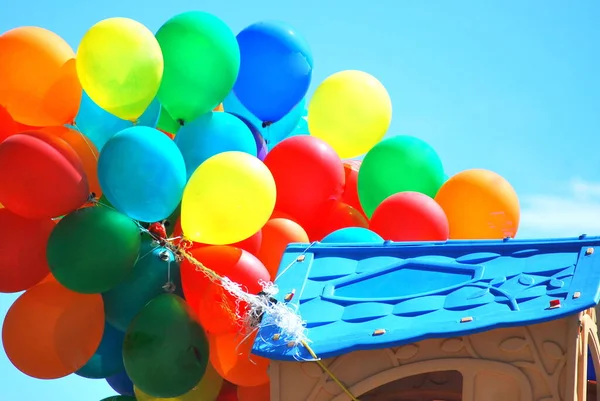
251	308
259	311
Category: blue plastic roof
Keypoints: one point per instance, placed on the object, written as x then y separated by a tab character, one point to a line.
415	291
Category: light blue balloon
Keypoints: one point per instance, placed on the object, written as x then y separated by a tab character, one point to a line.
210	134
142	173
99	125
274	133
301	129
352	235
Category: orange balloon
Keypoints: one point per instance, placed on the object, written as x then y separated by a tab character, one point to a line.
51	332
85	149
39	85
276	235
219	108
480	204
230	356
8	126
256	393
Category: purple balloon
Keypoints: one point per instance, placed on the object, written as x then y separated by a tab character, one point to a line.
261	145
121	383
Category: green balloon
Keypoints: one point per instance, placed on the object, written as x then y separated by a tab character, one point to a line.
167	123
147	281
397	164
165	350
202	61
105	202
92	250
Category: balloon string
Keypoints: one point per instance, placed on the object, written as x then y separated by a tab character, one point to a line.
264	310
293	262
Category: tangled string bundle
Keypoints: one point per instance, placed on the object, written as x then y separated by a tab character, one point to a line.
252	311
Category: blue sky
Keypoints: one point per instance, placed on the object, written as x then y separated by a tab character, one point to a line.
512	86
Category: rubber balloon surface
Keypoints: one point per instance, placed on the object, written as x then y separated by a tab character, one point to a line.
50	331
120	66
39	85
61	184
480	204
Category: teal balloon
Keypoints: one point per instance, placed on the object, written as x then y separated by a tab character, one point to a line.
93	249
142	173
165	350
352	235
210	134
108	359
146	282
99	125
274	133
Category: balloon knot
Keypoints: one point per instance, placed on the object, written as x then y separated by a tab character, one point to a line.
164	256
158	230
169	287
181	122
266	124
92	197
256	315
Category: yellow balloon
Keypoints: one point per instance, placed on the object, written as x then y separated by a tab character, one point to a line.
207	390
227	199
350	110
120	66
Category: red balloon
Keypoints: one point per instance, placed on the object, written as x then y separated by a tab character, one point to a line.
255	393
206	298
23	250
308	173
350	195
41	176
228	392
410	216
334	216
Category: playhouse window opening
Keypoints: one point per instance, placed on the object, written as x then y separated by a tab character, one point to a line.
431	386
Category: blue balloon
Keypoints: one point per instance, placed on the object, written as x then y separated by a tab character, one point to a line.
121	383
108	359
147	281
210	134
352	235
275	69
274	133
99	125
142	173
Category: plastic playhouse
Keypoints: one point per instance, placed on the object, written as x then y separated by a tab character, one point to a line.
509	320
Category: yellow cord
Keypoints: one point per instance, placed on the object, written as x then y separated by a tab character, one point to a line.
329	372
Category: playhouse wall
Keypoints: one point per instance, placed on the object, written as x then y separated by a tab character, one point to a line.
540	362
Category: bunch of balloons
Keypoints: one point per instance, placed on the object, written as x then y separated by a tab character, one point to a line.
142	147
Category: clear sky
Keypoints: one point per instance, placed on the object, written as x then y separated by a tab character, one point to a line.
512	86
